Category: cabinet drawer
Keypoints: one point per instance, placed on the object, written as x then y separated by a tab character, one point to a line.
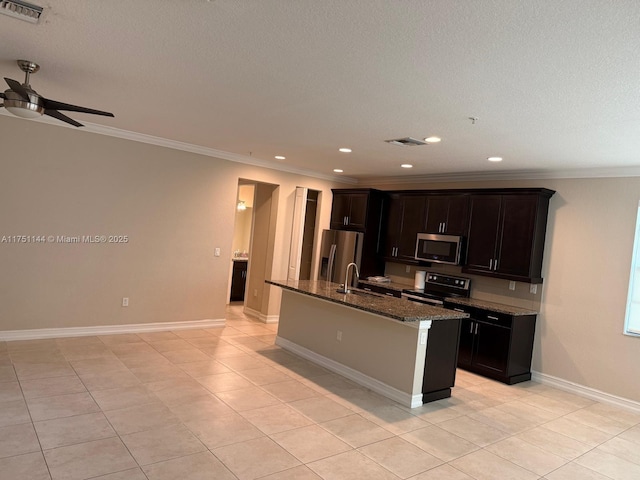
494	318
378	289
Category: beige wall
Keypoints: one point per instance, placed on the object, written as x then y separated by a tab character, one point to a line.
586	272
176	207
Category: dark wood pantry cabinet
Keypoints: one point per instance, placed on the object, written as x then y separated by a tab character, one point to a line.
447	214
238	280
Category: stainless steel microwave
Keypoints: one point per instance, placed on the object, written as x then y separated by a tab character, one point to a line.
439	248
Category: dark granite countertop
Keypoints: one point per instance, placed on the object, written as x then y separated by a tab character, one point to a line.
395	308
398	287
491	306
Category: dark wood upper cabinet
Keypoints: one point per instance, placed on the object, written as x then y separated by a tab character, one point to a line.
506	234
350	209
404	220
447	214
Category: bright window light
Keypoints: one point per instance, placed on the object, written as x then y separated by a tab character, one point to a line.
632	317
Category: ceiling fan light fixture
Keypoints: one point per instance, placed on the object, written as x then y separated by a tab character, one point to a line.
20	107
21	10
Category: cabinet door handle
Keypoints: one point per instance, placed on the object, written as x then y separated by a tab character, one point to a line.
471	328
389	293
491	264
476	332
459	310
491	317
495	263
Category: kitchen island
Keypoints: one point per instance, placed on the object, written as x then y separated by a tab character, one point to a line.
403	350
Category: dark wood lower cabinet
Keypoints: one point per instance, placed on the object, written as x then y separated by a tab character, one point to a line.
496	345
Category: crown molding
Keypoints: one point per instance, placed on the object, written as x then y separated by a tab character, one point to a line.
577	173
185	147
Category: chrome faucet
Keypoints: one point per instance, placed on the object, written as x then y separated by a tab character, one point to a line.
346	278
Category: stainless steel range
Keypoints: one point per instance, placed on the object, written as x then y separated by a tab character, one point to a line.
437	287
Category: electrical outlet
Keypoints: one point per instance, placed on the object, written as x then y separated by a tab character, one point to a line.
423	338
512	285
533	288
125	301
408	268
339	335
216	252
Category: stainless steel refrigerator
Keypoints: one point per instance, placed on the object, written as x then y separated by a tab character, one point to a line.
338	249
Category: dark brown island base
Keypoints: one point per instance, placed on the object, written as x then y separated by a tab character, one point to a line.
403	350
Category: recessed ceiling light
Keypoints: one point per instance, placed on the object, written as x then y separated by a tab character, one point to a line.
433	139
406	165
345	150
495	159
338	170
279	157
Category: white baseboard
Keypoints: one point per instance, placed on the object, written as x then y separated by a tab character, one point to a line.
38	333
261	316
587	392
360	378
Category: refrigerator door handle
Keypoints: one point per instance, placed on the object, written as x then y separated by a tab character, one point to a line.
332	261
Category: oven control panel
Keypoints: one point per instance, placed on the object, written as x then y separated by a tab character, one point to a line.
459	283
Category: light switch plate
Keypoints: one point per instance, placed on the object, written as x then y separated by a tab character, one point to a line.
533	288
512	285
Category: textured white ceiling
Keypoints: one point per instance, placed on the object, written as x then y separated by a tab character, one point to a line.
555	84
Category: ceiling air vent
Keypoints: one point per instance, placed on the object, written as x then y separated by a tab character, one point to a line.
406	142
21	10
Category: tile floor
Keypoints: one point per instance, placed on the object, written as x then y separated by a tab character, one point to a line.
228	404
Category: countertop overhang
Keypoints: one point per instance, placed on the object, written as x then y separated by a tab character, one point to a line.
396	308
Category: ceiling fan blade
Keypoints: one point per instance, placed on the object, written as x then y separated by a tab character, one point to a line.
64	118
18	88
53	105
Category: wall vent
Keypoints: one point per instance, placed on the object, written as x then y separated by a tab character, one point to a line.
406	142
21	10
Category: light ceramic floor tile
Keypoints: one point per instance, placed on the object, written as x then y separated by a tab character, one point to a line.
84	352
48	408
304	369
484	465
118	398
508	423
161	444
222	350
10	392
203	369
618	414
310	443
525	411
329	383
14	413
568	398
107	380
320	409
361	399
187	355
550	404
191	333
356	430
177	392
279	357
443	472
71	430
633	434
573	471
78	341
394	419
597	421
622	448
171	345
46	387
90	459
583	433
247	398
140	418
18	439
130	474
400	457
119	338
220	431
199	466
265	375
440	443
30	466
350	466
132	349
7	374
224	382
240	458
155	337
290	391
553	442
301	472
30	371
474	431
609	465
158	372
276	418
437	412
202	408
527	456
242	362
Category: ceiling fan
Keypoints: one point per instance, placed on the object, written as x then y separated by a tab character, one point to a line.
25	102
